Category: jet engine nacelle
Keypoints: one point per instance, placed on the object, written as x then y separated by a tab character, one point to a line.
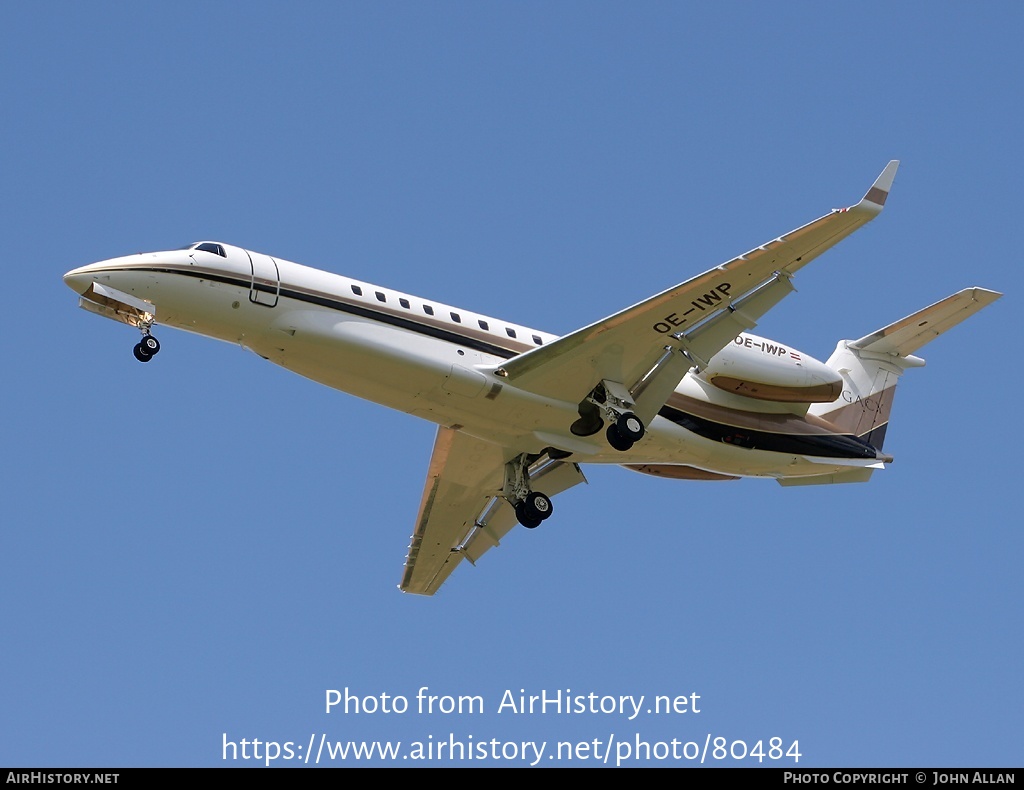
765	370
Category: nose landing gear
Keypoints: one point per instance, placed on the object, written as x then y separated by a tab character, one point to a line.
147	348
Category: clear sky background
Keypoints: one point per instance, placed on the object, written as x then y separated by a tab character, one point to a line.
200	547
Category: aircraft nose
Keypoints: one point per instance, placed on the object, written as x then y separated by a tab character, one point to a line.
78	280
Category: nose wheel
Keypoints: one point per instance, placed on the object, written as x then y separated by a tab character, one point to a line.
147	348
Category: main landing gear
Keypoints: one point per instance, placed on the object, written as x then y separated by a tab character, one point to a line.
533	510
625	431
610	402
147	348
532	507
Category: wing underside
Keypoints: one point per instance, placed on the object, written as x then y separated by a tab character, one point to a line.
463	513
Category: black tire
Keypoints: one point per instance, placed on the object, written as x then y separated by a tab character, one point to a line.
630	426
538	505
141	354
524	518
150	345
617	440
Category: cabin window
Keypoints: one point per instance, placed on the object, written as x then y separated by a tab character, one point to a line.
357	290
380	296
483	324
208	246
537	340
428	309
456	318
510	332
404	303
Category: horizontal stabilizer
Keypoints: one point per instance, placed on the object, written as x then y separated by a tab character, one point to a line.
860	463
872	366
846	476
907	335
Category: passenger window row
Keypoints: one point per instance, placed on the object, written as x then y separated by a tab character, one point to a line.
429	310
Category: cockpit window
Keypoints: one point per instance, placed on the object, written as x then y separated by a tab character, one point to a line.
209	246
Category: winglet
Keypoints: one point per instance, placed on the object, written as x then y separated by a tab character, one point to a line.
880	189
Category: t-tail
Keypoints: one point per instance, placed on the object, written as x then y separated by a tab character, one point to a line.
871	366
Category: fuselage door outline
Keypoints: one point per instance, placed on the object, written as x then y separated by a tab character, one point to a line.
266	279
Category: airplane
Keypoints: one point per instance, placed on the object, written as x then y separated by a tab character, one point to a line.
674	386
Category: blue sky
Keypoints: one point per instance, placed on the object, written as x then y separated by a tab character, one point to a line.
199	548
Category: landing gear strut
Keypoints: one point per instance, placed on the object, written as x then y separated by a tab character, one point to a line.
532	507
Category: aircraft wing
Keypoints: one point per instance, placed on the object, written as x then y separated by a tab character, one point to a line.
462	513
700	316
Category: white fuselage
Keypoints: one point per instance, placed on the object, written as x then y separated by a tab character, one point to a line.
442	363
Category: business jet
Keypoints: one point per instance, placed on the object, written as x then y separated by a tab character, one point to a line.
675	386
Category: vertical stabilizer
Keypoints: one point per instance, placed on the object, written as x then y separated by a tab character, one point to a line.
871	366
